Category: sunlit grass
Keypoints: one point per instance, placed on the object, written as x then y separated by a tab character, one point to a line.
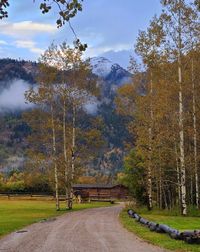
162	240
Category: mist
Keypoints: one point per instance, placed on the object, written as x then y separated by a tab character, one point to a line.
13	98
91	107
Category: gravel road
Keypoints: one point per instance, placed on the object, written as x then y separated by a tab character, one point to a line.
92	230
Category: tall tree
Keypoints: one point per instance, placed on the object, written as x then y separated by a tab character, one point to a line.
44	98
177	17
147	47
74	87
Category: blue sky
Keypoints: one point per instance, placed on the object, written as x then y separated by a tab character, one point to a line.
109	27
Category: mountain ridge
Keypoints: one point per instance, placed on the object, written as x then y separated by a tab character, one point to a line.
25	72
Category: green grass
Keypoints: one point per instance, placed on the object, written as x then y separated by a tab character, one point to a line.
18	213
162	240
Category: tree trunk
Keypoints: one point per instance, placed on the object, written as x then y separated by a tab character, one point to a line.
169	198
149	172
160	183
65	151
178	175
191	191
165	198
157	192
73	140
195	136
181	127
70	189
160	191
54	159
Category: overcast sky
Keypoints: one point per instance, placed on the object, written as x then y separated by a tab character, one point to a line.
109	27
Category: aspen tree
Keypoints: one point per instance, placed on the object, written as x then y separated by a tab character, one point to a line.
44	98
177	17
194	38
76	89
147	47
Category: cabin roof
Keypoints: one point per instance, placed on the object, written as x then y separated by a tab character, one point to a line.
103	186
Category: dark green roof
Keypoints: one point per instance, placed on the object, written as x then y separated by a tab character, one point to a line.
103	186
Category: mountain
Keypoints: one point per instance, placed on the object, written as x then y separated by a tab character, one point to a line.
101	66
112	75
109	71
17	76
11	69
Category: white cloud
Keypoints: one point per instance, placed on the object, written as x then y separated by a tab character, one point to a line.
25	28
25	43
91	106
95	51
2	42
28	44
13	97
29	25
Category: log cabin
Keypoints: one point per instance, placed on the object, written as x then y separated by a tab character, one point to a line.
99	191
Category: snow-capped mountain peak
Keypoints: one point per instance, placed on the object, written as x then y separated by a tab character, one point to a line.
112	75
101	66
109	71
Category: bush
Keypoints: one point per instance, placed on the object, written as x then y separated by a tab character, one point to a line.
17	186
134	176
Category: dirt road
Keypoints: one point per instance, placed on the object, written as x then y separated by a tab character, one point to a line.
92	230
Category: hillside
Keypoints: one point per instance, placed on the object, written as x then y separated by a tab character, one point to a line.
17	76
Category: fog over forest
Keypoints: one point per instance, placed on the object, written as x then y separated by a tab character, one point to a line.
12	98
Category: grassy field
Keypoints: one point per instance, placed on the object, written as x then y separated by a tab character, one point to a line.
18	213
163	240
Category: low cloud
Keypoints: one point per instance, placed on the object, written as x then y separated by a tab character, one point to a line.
123	57
28	44
25	28
2	42
99	50
91	107
13	98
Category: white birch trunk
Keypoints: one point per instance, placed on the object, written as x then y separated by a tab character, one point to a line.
181	127
54	159
160	188
65	151
73	140
70	189
149	172
195	137
178	174
191	191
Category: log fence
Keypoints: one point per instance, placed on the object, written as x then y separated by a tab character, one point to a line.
191	237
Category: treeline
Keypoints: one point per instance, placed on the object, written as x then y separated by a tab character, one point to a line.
37	182
64	138
25	182
163	100
11	69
